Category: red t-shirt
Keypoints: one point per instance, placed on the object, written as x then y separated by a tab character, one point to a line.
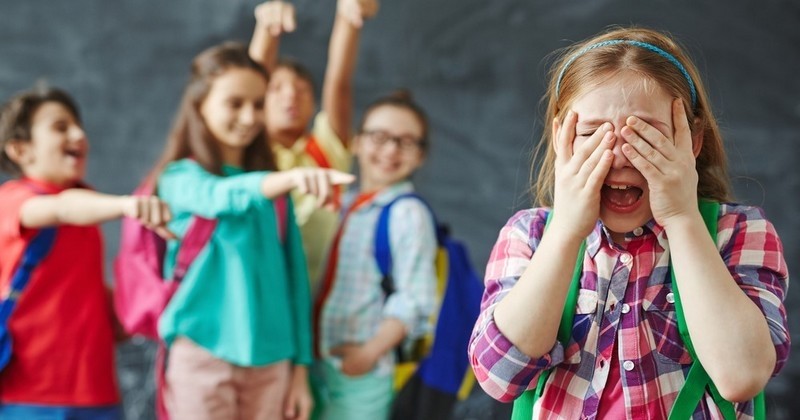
61	327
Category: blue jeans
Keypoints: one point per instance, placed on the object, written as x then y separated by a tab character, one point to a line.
45	412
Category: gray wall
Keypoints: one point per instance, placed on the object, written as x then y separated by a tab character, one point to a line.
477	66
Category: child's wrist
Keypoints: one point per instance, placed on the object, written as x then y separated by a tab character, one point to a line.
374	350
129	206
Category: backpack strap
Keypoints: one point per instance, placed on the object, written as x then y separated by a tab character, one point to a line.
523	405
34	253
197	236
281	216
315	151
383	255
383	249
36	250
697	380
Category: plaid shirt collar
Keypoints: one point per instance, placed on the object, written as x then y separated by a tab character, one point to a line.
601	234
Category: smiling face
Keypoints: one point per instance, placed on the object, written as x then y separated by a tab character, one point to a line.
57	149
389	148
233	111
625	203
290	105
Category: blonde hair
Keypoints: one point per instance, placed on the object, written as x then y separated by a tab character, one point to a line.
579	70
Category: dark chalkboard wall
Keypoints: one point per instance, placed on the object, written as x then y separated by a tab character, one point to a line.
477	66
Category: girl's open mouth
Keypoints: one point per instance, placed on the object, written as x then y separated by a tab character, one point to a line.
621	198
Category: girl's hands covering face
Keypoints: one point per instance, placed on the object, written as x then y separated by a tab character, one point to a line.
668	164
579	173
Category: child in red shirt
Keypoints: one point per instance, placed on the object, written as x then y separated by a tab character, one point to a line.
62	326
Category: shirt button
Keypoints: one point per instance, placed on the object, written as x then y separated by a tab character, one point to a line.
671	297
638	231
625	258
627	365
626	308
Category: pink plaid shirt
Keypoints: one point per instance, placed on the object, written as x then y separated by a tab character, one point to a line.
626	296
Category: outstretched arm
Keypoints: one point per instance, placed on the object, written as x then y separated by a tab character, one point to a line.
337	88
273	18
78	206
318	182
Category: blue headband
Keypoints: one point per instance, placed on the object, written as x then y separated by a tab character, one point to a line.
640	44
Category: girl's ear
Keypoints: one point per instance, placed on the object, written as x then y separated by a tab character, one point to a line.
697	138
17	151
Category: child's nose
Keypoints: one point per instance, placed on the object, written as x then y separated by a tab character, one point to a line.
248	115
392	146
76	133
290	91
620	160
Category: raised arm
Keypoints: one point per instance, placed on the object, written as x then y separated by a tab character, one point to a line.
273	18
337	88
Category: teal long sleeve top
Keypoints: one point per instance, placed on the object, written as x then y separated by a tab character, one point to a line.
246	297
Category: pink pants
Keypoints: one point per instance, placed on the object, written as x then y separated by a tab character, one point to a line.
203	387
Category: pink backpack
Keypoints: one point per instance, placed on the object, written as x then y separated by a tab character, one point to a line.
140	291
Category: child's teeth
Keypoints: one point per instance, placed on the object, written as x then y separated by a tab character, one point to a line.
619	187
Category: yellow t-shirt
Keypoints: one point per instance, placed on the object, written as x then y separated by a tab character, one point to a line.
317	225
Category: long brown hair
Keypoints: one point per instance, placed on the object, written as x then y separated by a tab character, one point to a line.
190	136
587	69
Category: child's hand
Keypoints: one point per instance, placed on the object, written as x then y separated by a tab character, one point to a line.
151	212
357	359
276	17
579	173
668	164
355	11
319	182
298	401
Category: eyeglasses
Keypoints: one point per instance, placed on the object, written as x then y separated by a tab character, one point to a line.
405	143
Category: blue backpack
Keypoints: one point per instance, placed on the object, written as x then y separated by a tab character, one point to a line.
436	374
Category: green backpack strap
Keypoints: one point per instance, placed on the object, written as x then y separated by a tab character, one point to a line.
523	405
697	379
